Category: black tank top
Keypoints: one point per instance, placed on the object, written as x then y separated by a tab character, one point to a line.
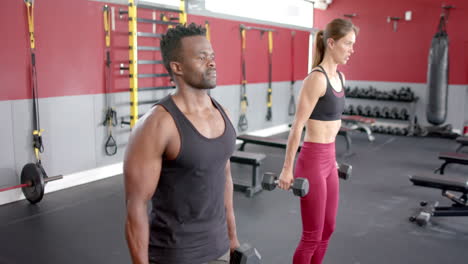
330	106
188	220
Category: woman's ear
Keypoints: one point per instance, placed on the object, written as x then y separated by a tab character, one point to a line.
330	43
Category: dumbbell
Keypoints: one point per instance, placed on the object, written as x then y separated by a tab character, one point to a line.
372	92
351	110
385	96
404	114
396	131
360	110
347	90
385	112
365	93
405	94
354	92
394	95
385	129
300	186
394	113
245	254
368	111
376	111
344	171
378	95
346	110
361	93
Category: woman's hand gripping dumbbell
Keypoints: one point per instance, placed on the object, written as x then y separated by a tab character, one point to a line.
344	170
300	186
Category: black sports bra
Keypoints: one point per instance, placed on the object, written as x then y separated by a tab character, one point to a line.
330	106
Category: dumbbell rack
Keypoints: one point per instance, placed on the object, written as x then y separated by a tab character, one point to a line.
410	105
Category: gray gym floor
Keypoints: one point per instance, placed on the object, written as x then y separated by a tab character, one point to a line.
85	224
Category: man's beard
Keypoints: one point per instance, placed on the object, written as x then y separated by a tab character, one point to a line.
207	82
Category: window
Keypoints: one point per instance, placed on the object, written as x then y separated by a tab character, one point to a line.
174	3
290	12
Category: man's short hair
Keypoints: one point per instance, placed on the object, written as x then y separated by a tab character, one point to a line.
170	43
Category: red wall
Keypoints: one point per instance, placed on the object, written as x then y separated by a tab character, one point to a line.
70	50
68	43
402	56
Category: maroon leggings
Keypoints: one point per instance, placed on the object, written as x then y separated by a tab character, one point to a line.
317	163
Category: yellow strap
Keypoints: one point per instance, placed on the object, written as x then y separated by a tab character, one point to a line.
243	38
207	26
270	41
106	25
36	152
183	15
243	106
38	132
165	18
30	9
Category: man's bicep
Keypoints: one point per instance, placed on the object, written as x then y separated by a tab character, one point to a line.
143	161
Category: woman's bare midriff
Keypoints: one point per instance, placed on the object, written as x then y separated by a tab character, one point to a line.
321	131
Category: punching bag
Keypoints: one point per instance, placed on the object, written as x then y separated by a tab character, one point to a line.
437	76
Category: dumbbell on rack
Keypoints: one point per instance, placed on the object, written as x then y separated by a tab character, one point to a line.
376	111
351	110
394	113
404	115
394	95
368	111
385	112
360	110
405	94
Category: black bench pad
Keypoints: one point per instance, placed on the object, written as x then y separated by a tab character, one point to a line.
443	182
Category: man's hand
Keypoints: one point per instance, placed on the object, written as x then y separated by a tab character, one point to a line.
234	244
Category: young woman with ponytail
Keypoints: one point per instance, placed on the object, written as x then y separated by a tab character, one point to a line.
320	104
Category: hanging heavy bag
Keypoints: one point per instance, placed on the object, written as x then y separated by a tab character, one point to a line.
437	76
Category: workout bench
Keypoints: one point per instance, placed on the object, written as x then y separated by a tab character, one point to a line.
354	122
451	157
445	183
463	140
264	141
282	143
254	160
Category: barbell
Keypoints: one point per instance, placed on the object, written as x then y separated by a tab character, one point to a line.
33	180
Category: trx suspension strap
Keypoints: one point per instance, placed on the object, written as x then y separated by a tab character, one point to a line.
292	103
33	175
243	124
111	116
270	64
34	171
37	132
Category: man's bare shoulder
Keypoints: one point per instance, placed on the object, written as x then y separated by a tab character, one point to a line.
157	120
